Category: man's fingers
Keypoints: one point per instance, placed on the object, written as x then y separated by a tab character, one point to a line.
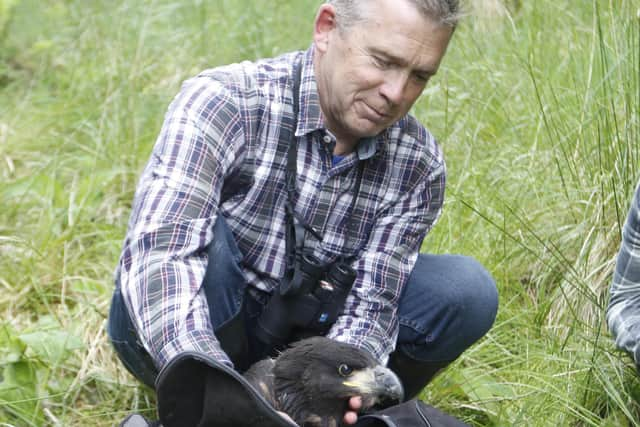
355	403
350	417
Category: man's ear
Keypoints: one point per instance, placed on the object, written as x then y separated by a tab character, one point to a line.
324	24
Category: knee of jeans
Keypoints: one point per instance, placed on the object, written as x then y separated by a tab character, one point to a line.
469	290
486	288
446	318
479	299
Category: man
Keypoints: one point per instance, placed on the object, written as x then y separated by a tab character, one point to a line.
623	312
207	239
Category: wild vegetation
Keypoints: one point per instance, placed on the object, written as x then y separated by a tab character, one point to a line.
537	107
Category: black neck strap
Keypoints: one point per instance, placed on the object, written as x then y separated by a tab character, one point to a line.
296	224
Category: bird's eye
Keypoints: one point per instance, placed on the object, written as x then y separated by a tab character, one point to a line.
345	370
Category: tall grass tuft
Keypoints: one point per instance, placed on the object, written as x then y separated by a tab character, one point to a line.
542	136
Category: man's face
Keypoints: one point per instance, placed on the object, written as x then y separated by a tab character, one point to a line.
370	74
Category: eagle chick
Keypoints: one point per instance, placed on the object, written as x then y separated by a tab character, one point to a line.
313	380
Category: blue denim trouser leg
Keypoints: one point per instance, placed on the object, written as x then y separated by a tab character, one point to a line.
128	347
448	304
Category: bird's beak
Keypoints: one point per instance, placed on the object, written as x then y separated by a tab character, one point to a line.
389	384
380	382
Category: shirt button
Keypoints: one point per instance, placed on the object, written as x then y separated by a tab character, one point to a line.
326	139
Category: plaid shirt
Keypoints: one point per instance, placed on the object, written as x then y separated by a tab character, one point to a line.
623	313
232	125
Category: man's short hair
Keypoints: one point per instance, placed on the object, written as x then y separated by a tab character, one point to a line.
446	12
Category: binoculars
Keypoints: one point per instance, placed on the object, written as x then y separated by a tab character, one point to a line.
308	303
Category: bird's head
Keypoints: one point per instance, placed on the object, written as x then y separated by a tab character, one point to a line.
315	378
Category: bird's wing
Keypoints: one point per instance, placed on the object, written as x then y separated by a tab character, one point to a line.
260	376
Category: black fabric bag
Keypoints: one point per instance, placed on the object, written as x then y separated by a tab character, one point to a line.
194	390
413	413
197	391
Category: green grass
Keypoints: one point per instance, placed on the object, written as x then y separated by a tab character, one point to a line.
537	109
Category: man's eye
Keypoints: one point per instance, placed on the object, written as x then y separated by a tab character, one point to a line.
422	78
381	63
345	370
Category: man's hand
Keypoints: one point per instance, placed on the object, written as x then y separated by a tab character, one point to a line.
351	417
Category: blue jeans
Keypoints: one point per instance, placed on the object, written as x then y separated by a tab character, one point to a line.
449	302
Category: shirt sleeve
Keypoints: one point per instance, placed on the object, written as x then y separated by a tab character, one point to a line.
370	317
175	206
623	312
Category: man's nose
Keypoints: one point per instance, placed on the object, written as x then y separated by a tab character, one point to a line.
393	87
